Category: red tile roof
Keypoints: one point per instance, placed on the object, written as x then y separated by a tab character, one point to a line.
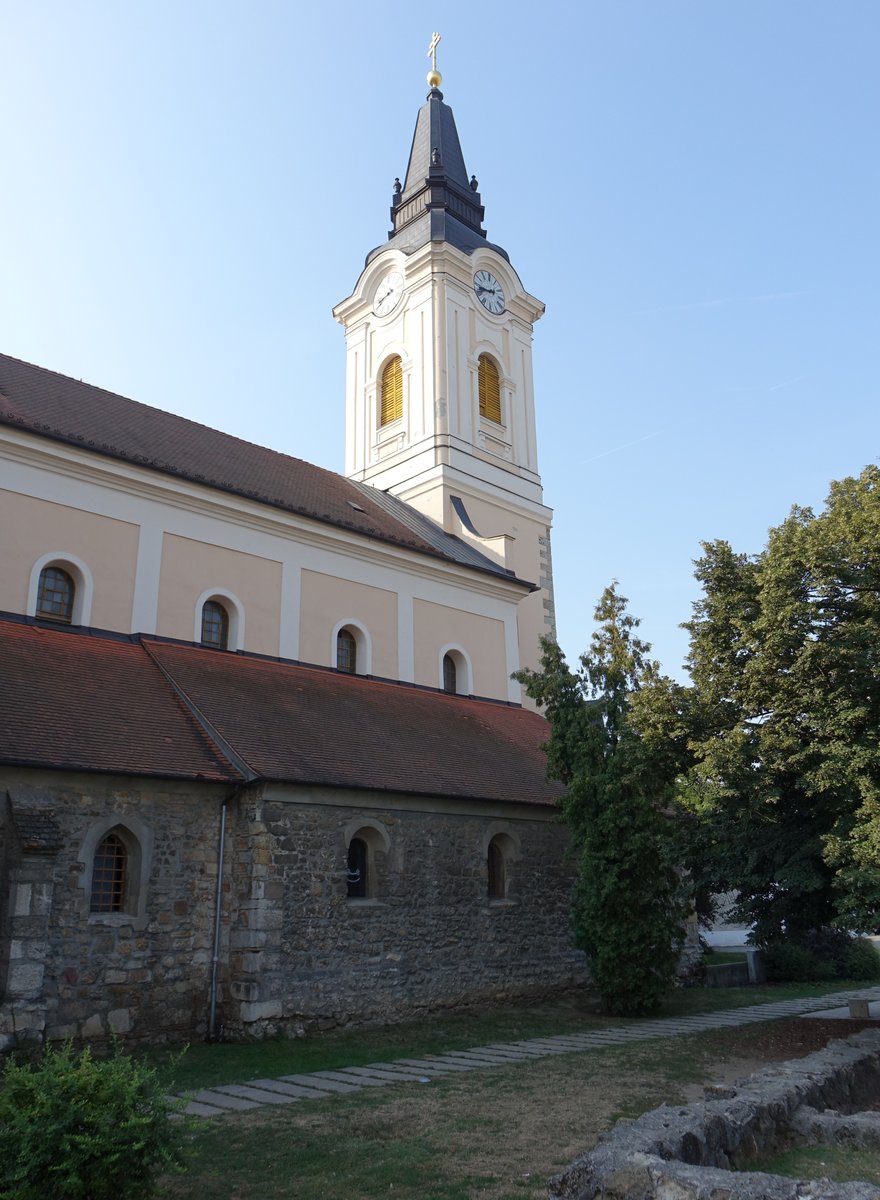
74	702
87	702
79	414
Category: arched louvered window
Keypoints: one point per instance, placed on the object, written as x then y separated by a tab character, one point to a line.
391	401
215	625
55	594
346	652
450	680
490	389
109	872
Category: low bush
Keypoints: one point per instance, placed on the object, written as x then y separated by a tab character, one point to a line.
820	955
76	1128
789	963
861	960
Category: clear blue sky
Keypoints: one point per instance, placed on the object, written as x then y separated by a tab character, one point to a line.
692	187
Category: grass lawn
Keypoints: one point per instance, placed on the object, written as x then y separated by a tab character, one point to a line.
204	1065
840	1163
496	1134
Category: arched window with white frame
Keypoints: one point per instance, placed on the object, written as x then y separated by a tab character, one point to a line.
219	620
455	672
60	589
351	648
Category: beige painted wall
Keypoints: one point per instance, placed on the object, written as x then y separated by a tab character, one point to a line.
30	528
326	600
436	625
190	568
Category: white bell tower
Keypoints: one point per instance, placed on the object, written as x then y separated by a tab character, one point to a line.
440	404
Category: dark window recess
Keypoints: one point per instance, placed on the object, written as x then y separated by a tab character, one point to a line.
108	875
55	595
357	868
215	626
346	652
495	863
449	676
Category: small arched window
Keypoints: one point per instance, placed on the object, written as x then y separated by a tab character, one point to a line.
55	594
346	652
391	399
497	868
450	675
109	875
215	625
489	382
357	869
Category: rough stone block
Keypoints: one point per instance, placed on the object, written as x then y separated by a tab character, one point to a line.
93	1027
261	1011
119	1020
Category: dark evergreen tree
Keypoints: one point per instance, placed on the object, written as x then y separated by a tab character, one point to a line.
628	903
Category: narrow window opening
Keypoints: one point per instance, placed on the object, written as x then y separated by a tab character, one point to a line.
215	625
497	872
357	869
489	383
55	595
391	400
109	875
449	674
346	652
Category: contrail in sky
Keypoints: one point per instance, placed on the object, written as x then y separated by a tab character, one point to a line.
624	446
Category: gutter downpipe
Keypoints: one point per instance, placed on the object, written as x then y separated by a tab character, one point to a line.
218	908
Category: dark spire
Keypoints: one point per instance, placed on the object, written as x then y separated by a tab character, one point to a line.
439	202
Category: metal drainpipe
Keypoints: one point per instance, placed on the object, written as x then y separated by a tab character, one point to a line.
218	906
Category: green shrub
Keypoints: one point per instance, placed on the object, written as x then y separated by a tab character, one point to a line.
787	962
73	1128
861	960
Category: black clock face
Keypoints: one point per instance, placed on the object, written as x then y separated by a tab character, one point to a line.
489	292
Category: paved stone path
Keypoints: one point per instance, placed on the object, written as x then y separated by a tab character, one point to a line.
316	1085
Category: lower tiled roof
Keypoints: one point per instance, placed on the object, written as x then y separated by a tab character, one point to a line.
149	707
74	702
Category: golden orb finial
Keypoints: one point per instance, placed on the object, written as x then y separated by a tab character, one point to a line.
434	77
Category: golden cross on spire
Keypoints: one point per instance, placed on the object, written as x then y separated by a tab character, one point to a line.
432	50
434	76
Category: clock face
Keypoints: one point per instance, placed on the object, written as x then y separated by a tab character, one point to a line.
489	292
388	294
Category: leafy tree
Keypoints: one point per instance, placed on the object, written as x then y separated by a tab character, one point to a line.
628	910
784	718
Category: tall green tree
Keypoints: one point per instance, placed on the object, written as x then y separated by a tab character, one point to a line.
785	716
628	904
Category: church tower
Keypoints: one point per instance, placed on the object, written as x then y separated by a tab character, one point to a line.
440	406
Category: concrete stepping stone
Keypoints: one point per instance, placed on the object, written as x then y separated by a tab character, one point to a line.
195	1109
222	1100
288	1089
405	1071
435	1065
320	1083
258	1095
345	1076
387	1076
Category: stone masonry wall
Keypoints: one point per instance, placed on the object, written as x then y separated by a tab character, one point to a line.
305	955
295	952
141	974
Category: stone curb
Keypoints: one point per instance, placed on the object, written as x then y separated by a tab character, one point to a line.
257	1093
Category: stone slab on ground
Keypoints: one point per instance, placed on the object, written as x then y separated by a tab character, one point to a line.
222	1100
288	1089
321	1083
258	1095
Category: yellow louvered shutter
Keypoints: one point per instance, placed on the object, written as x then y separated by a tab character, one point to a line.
490	390
392	392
